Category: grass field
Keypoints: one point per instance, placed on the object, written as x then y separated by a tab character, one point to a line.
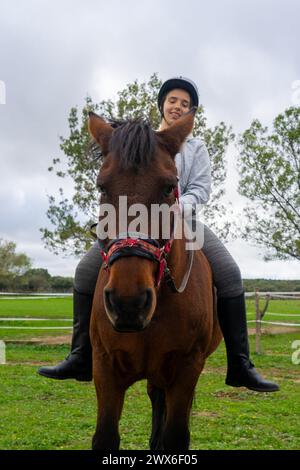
38	413
57	309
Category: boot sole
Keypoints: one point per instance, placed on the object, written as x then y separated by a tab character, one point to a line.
80	378
255	389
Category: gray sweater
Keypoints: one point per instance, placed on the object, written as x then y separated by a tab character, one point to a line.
193	166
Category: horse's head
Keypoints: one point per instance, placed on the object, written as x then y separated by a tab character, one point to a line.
138	168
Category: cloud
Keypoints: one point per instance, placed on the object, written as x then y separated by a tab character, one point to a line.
243	55
253	266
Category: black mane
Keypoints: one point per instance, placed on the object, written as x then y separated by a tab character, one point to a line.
133	142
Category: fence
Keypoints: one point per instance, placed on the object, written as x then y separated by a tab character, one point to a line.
34	296
259	314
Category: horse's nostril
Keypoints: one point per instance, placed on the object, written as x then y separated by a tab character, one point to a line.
108	299
141	300
136	303
148	299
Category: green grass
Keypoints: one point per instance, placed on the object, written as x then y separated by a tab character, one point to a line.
51	308
60	308
39	413
37	308
289	306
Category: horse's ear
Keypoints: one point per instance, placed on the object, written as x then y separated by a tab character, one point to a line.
173	137
100	130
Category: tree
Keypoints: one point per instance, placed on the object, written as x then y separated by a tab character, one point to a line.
35	280
60	283
270	177
12	264
71	218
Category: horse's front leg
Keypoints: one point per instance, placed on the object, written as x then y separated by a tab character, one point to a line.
157	397
179	398
110	398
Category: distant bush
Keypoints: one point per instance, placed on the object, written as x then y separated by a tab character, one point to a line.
61	283
271	285
38	280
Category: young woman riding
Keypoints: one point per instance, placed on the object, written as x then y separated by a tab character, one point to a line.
176	96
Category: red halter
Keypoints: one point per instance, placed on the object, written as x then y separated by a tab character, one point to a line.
138	247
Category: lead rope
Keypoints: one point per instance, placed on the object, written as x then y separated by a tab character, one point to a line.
167	273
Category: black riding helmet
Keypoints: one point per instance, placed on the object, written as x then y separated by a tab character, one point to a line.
183	84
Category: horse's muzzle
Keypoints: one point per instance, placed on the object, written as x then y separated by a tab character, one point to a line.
128	313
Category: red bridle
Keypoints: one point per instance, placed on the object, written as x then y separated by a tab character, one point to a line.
138	247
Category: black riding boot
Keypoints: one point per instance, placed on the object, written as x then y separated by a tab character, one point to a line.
78	364
240	371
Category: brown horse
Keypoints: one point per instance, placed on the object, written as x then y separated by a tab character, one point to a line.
140	328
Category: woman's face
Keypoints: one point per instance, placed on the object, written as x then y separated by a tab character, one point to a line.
177	103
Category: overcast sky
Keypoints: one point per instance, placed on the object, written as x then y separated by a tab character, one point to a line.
244	56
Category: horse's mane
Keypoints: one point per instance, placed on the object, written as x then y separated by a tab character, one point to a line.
133	142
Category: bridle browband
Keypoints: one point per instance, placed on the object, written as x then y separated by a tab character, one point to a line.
148	248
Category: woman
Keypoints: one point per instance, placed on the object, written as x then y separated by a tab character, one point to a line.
176	97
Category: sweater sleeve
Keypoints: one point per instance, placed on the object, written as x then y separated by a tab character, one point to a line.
198	186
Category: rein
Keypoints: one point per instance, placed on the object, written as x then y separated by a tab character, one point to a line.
145	248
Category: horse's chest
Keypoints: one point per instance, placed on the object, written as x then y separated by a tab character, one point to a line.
158	360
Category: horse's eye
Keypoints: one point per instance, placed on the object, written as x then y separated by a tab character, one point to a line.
168	190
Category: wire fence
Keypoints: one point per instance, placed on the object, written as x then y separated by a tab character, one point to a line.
34	296
259	314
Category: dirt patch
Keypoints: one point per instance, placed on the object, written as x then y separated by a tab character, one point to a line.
205	414
234	395
213	370
275	330
28	363
66	339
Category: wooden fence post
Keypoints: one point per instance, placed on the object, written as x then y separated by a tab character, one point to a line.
257	323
